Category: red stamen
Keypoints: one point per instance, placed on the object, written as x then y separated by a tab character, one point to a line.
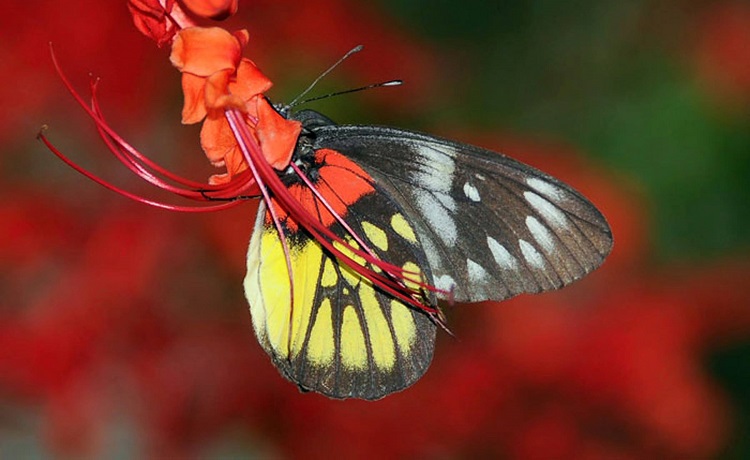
127	194
260	180
241	185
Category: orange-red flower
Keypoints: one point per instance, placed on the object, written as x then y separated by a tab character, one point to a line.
723	52
213	9
158	19
216	78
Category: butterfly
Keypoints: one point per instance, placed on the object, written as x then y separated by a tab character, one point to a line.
368	231
463	224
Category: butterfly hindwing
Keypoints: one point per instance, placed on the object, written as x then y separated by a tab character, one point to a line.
491	227
342	336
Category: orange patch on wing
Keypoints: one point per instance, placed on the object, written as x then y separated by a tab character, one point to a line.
341	183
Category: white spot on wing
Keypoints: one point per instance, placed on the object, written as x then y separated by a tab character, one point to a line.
446	200
445	282
503	258
432	253
435	170
438	217
531	255
541	234
477	273
548	210
545	188
471	192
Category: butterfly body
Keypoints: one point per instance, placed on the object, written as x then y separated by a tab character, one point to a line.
475	224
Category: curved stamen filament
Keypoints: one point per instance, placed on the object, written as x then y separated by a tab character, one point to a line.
241	185
132	196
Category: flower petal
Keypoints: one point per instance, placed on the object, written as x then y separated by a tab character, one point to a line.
150	17
250	81
217	138
218	95
234	165
242	36
235	162
203	51
277	135
212	9
194	107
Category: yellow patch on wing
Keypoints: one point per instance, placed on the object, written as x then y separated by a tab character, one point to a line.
349	274
274	316
412	275
403	326
348	252
402	227
381	340
376	235
306	268
252	280
353	347
276	301
330	277
320	345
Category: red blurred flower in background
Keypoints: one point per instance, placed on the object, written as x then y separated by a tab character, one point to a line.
723	51
121	313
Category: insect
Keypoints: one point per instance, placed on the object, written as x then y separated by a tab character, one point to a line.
368	230
473	223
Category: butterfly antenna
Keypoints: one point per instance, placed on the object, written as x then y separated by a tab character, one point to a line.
338	93
356	49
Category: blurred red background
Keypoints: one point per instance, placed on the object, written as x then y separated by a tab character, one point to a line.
124	331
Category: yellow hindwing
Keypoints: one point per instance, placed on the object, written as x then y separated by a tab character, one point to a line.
338	334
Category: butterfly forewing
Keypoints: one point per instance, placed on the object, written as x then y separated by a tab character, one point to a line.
491	227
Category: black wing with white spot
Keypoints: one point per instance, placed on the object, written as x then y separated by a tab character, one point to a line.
491	227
